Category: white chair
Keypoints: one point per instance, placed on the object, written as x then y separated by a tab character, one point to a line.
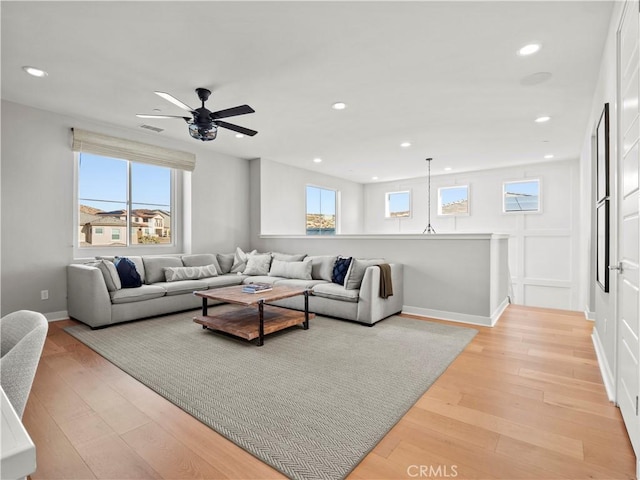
22	336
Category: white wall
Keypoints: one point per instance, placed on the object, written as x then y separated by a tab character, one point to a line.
543	247
283	199
601	304
460	277
37	204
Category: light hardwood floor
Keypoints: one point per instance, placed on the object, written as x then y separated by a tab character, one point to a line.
524	400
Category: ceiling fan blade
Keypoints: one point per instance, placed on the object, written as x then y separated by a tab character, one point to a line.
232	112
144	115
174	100
235	128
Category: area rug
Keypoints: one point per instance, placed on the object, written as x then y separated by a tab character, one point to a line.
309	403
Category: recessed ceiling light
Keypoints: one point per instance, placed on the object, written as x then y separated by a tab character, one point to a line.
239	135
405	144
317	160
543	119
35	72
529	49
339	106
447	169
548	156
374	178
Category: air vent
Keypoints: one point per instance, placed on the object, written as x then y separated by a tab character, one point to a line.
153	129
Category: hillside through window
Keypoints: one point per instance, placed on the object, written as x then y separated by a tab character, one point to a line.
321	211
123	203
398	204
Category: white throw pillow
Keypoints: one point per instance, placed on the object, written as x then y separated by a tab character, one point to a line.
258	264
174	274
240	260
300	270
354	277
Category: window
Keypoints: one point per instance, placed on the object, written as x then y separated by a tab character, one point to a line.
521	196
321	211
398	204
453	200
129	200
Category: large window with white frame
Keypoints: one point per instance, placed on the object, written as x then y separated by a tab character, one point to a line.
521	196
453	200
321	216
122	203
397	204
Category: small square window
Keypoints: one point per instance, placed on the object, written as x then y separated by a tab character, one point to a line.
115	234
521	196
398	204
453	200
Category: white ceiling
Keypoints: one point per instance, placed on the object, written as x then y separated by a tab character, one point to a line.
444	76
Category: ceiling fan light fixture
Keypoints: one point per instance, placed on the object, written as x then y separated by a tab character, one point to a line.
239	135
339	106
203	133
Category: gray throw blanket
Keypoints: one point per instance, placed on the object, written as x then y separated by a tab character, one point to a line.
386	287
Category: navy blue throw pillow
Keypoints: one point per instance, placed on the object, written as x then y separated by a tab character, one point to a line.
129	276
340	270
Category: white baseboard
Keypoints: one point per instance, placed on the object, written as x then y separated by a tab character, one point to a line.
459	317
589	315
495	316
450	316
55	316
605	371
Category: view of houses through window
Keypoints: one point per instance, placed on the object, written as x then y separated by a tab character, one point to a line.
321	211
122	203
453	200
521	196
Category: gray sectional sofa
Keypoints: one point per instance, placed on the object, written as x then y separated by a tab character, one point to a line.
96	297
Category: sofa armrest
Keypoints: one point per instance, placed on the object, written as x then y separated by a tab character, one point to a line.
371	307
88	299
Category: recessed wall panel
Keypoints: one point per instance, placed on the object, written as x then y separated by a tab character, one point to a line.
547	258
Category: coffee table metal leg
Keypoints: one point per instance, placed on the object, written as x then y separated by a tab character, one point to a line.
204	307
305	325
261	328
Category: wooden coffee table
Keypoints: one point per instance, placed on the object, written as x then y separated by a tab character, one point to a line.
248	322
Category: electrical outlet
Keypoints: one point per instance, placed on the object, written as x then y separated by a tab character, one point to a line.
44	294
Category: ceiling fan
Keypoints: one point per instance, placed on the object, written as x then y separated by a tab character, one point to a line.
203	125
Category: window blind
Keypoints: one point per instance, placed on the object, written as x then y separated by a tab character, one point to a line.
98	144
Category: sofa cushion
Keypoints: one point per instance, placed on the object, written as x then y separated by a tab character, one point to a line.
154	267
128	272
287	257
240	260
110	274
261	279
300	270
258	264
356	271
174	274
295	282
322	266
201	260
335	291
223	280
184	286
144	292
340	270
225	260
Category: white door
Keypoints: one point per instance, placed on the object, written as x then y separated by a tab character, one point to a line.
628	281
